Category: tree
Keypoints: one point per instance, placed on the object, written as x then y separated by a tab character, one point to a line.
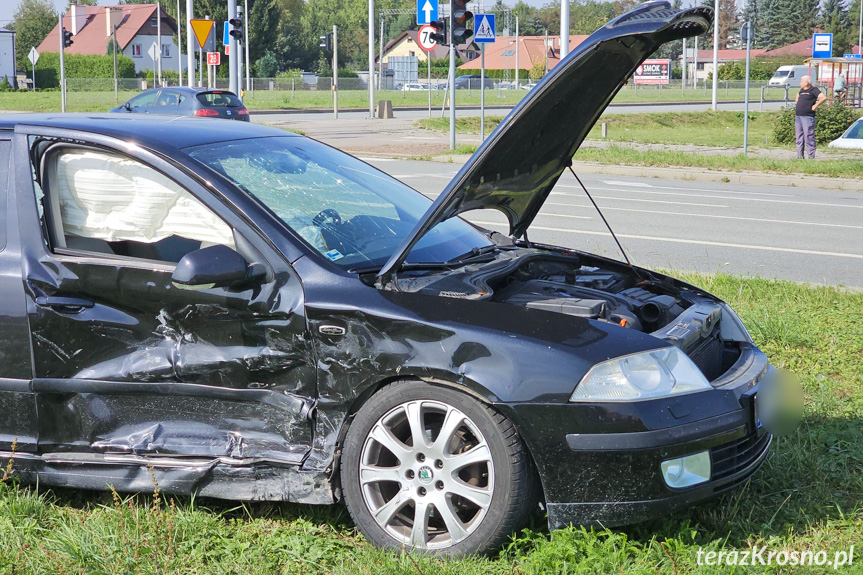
728	22
854	20
32	22
834	19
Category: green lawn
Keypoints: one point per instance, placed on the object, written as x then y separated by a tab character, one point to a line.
723	129
806	497
95	101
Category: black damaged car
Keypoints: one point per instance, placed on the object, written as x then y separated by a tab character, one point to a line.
252	315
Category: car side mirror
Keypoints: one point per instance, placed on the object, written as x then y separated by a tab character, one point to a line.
127	106
214	266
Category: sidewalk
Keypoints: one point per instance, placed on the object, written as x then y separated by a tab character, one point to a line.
399	138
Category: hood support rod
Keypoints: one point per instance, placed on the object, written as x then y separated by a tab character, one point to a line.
611	231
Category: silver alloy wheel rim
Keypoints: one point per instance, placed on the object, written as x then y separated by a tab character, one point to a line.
426	459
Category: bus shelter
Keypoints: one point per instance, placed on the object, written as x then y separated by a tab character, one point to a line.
830	68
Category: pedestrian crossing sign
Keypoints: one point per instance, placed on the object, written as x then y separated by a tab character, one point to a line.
483	28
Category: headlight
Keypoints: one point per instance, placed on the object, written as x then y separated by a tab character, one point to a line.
644	375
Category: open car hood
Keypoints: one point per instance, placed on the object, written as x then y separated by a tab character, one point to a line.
515	169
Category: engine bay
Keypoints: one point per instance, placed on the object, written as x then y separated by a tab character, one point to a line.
585	286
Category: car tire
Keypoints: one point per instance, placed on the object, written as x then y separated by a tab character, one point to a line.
473	485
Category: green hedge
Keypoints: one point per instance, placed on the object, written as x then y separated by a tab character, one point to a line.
80	66
831	121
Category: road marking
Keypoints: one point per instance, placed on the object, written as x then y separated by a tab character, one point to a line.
401	176
643	185
641	200
697	195
764	220
682	241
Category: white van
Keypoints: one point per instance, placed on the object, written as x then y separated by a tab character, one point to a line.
790	75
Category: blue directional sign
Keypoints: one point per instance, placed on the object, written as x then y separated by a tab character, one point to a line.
852	56
426	11
822	45
483	28
226	36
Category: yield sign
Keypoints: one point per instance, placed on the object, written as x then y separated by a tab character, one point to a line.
202	29
33	55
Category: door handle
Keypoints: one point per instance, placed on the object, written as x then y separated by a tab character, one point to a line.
64	304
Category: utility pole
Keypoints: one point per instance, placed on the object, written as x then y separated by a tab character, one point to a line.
372	58
685	58
546	52
159	40
517	76
233	48
451	79
190	47
381	57
746	31
179	47
564	28
240	62
335	72
116	73
716	20
246	31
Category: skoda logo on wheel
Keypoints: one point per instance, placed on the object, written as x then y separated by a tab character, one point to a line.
425	474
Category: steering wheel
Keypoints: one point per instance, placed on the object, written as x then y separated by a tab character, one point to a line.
328	213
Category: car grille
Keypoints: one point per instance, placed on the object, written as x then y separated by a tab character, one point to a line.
732	457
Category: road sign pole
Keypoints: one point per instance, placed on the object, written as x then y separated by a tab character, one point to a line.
372	58
233	68
451	82
116	73
246	31
748	28
482	92
335	72
62	68
190	47
33	56
159	40
428	65
715	53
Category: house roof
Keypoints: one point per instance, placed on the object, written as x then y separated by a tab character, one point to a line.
531	49
92	38
437	53
801	48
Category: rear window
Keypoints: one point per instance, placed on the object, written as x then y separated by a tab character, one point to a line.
224	99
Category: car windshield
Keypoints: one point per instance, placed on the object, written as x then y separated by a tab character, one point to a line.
855	132
348	211
780	73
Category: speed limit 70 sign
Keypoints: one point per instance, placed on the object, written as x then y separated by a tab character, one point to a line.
214	58
426	41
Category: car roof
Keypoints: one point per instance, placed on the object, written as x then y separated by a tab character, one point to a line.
191	91
154	131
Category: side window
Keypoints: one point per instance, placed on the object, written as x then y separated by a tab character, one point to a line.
144	100
791	74
96	201
5	175
167	98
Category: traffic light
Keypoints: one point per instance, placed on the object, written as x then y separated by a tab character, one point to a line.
440	35
326	42
236	28
67	38
461	30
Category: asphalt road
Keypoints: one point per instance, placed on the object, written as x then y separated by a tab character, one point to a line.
792	233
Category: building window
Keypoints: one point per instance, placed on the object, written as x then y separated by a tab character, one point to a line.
136	50
154	22
166	50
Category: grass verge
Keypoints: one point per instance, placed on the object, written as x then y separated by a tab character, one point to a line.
618	155
806	497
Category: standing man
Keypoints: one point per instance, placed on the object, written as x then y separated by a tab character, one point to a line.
807	101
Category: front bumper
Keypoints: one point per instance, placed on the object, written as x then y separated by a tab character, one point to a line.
600	463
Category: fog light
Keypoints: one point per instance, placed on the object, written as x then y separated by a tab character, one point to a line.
686	471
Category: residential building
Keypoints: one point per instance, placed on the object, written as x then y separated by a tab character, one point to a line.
137	33
406	44
532	51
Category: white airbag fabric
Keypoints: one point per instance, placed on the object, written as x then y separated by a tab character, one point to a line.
112	198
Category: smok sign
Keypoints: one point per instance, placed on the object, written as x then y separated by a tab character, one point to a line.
653	72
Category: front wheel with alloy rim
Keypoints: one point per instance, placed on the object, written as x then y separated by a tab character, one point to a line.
428	468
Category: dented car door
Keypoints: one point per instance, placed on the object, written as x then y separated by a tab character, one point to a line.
128	362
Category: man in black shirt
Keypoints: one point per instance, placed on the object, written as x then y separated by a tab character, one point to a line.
807	101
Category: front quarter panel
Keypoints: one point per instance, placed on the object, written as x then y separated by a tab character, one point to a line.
497	352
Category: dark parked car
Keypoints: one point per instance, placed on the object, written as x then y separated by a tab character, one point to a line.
181	101
250	314
473	81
